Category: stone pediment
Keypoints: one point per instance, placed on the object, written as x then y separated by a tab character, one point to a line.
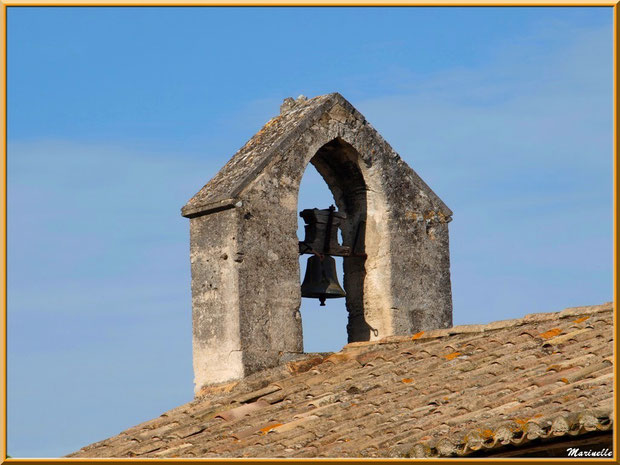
226	188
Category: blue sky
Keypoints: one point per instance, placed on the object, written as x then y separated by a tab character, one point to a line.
117	116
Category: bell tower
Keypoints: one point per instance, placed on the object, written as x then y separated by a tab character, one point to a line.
243	241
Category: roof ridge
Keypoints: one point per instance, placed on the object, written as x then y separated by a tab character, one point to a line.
486	327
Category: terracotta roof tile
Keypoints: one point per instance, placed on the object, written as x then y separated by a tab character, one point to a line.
451	392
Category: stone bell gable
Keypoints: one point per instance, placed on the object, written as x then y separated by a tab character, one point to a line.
244	249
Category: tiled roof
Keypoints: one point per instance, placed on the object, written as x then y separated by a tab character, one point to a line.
446	392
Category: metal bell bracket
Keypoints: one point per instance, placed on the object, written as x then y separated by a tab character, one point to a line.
322	233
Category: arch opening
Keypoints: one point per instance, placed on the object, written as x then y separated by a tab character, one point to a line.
337	165
322	327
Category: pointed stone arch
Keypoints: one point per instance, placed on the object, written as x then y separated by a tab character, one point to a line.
365	274
244	251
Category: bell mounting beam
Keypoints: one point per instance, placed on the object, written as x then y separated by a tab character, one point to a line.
322	232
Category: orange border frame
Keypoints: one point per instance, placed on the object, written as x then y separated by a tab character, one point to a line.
239	3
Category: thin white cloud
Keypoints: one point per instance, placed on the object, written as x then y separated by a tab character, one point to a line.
552	106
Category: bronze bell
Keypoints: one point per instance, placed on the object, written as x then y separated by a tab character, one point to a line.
321	281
